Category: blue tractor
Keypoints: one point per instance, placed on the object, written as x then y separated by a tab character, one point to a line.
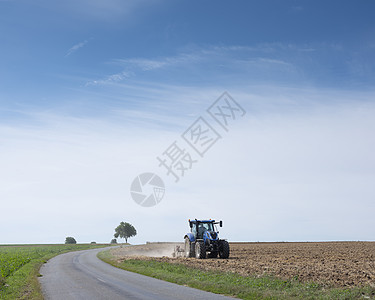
204	239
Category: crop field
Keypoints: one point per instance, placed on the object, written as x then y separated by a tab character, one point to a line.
334	264
11	261
14	259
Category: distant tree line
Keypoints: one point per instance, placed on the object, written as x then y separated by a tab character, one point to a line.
124	230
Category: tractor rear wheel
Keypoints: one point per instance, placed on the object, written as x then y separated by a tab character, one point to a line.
189	248
200	250
224	249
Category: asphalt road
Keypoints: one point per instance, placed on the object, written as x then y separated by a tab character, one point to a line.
81	275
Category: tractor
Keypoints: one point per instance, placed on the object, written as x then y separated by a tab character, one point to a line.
204	239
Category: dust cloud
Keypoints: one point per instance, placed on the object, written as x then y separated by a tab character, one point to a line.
158	249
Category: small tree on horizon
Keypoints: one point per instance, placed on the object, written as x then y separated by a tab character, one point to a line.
125	231
70	240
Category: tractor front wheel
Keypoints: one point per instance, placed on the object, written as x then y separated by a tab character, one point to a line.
189	248
200	250
224	249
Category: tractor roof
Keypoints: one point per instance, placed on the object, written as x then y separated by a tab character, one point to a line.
202	221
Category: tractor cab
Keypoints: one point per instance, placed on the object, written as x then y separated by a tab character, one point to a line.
198	228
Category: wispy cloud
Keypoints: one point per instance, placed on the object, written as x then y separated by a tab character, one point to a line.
76	47
285	161
276	64
135	65
110	79
237	60
262	61
152	64
297	8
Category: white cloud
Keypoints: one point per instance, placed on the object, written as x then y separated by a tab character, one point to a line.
297	168
76	47
297	8
266	62
110	79
135	65
251	60
149	64
146	64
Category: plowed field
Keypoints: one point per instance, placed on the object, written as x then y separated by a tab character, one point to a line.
340	264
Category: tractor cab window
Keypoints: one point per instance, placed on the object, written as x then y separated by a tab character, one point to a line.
209	226
202	227
194	230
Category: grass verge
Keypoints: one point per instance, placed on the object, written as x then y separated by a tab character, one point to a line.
232	284
22	282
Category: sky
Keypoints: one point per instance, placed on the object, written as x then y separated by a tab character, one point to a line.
93	92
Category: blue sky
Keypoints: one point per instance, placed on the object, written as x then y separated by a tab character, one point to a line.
91	92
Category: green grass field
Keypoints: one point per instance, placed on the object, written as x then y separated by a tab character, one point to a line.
232	284
19	268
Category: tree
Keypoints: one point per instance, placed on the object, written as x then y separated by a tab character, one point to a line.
125	230
70	240
113	241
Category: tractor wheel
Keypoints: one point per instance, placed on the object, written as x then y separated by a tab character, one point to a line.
200	250
212	254
189	248
224	249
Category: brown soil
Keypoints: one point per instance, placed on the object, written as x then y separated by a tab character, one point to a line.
341	264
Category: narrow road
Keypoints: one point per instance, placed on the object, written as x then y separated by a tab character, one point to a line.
81	275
